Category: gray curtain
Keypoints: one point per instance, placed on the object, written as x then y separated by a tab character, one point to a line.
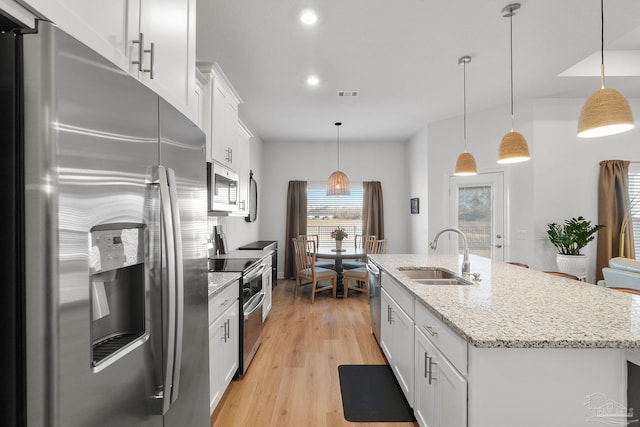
296	222
613	204
373	209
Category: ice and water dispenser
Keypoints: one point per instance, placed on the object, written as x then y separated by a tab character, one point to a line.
118	287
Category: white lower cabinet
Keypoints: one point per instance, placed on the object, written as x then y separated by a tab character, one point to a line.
440	390
224	342
397	342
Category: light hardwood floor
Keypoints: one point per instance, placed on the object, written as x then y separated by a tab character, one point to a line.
293	379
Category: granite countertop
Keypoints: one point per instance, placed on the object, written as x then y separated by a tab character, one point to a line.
220	280
516	307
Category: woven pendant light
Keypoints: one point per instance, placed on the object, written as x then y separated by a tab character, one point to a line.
606	111
513	147
338	183
466	164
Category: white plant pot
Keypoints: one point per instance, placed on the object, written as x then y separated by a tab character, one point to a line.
573	264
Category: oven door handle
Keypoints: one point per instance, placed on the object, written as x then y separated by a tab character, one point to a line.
254	304
254	274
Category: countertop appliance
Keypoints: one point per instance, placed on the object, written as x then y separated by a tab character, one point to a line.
105	306
251	303
266	245
222	185
375	302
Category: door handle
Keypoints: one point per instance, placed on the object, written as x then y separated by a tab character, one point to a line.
179	280
498	246
169	244
431	363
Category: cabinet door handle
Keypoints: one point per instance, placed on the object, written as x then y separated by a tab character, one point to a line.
229	328
431	363
139	42
151	52
426	368
224	332
430	330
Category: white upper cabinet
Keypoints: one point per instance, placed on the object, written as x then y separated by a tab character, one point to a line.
221	125
113	28
242	161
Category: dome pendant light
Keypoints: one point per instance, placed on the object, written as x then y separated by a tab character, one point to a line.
513	147
466	164
338	183
606	111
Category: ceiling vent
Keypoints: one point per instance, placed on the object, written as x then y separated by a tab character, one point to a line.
348	93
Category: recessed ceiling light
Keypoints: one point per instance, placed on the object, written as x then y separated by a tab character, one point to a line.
308	17
313	80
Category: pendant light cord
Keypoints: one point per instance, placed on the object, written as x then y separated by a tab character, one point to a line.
338	152
511	65
602	43
464	102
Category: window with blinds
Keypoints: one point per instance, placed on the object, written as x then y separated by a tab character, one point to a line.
326	213
634	203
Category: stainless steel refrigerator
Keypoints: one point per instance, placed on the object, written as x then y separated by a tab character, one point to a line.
103	306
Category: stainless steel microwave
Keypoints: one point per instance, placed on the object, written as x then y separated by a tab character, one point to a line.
222	185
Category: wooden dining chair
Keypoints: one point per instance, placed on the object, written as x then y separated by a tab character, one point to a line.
519	264
361	239
376	246
561	274
316	238
307	272
360	243
358	278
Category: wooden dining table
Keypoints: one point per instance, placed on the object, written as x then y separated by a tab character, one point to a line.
337	257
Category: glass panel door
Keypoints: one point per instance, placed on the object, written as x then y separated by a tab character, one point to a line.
477	209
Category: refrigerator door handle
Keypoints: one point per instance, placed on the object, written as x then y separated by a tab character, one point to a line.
179	282
169	245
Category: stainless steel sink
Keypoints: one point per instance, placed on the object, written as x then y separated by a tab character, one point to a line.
433	276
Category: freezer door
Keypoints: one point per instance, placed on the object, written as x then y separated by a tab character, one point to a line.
91	135
182	155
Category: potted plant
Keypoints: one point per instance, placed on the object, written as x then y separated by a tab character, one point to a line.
570	238
339	234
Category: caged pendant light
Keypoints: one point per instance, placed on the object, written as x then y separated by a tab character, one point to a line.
513	147
606	111
466	164
338	183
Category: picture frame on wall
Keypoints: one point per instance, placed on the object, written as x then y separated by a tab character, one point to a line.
415	205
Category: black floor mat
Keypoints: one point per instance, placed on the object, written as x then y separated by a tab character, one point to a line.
370	393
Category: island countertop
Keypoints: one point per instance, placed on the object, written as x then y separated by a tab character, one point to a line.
516	307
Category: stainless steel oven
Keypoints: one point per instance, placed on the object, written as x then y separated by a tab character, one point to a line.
252	299
252	304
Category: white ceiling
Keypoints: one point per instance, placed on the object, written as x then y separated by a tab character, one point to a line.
402	56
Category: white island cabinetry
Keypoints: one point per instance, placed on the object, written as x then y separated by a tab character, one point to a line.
153	40
486	357
224	341
396	331
440	389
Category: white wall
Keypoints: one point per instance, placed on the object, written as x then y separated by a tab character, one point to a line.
314	161
484	132
567	168
559	182
417	166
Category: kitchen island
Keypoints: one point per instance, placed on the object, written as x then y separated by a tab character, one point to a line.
518	347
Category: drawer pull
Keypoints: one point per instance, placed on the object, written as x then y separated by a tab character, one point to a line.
430	330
